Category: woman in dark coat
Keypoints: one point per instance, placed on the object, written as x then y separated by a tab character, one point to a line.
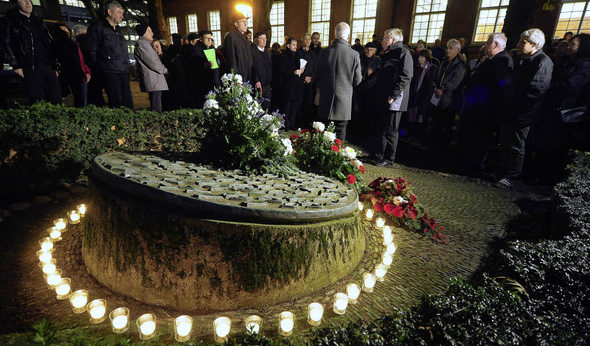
74	73
421	90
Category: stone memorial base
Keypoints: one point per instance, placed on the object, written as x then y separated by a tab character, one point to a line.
187	237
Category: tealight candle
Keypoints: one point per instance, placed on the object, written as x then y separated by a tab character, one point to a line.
387	260
380	222
81	208
97	309
49	267
74	217
221	326
60	223
387	239
63	288
44	256
387	231
315	311
182	328
146	324
353	291
53	279
360	206
46	244
253	324
369	214
368	282
79	299
119	320
380	271
286	324
54	234
390	250
340	303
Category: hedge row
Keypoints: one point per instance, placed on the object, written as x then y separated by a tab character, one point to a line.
57	141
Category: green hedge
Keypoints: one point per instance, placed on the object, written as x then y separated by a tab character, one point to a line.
45	140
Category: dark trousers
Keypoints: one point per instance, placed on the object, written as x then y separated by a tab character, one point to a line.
41	84
94	93
477	134
156	101
389	135
512	145
442	126
290	110
80	92
118	89
305	113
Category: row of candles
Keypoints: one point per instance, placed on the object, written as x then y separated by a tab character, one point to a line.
146	323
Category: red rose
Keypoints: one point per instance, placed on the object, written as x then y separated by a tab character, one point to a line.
338	142
398	212
362	168
351	178
413	198
336	149
303	131
389	208
378	207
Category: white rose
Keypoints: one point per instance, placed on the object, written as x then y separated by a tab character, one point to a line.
397	200
357	163
211	104
238	78
350	153
288	147
319	126
329	136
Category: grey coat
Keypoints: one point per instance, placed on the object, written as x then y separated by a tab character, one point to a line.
338	71
448	80
151	69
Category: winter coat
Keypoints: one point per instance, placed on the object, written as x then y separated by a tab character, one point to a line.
421	97
262	71
338	71
17	40
395	74
107	48
238	54
573	88
151	69
449	78
292	83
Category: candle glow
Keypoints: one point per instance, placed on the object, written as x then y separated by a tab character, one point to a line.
380	271
287	321
44	256
63	288
54	278
315	311
369	214
182	328
46	244
387	260
340	303
81	209
119	319
97	310
146	324
60	224
353	291
361	206
380	222
390	250
74	217
222	326
253	323
79	299
368	282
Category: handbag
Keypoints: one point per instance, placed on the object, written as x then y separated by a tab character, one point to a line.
574	115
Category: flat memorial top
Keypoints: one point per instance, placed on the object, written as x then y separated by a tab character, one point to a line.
226	195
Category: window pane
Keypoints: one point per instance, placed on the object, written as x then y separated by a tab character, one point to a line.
320	19
571	18
214	20
429	20
363	24
192	23
173	25
324	29
490	19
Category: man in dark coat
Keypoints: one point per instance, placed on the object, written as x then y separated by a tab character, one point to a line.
292	83
262	72
393	87
236	48
26	42
109	56
306	112
338	71
447	84
487	96
364	117
316	44
193	62
531	78
75	74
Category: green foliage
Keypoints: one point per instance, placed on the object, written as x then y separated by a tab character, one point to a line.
253	339
240	135
44	332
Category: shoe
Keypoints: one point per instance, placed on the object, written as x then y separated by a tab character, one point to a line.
503	184
383	163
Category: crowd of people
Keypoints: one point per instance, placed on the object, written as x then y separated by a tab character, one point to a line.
529	104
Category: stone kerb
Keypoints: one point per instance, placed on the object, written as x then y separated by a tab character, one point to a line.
158	232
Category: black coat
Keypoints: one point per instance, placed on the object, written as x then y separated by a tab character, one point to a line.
69	60
369	80
421	97
18	43
312	60
395	74
238	54
292	84
262	71
489	90
532	78
107	48
572	88
449	79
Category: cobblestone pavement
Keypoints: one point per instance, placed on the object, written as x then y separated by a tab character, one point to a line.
473	213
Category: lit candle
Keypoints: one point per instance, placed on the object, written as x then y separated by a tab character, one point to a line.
340	303
54	234
60	223
369	214
253	324
49	267
46	244
53	279
221	326
387	260
182	328
287	321
119	320
390	250
97	310
353	291
44	256
146	324
74	217
387	231
380	271
368	282
361	206
315	311
380	222
81	209
79	299
63	288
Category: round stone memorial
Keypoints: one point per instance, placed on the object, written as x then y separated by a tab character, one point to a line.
190	237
